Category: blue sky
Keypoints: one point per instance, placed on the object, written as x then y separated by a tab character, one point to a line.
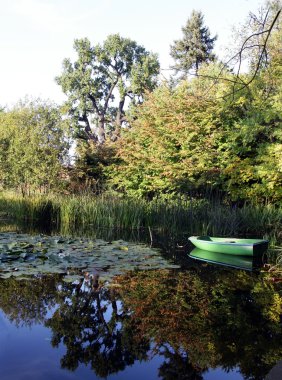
36	35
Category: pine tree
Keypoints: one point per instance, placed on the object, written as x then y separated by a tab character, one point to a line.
195	47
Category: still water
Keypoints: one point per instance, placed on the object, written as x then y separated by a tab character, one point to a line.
192	321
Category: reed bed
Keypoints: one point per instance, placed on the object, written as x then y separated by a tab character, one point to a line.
191	215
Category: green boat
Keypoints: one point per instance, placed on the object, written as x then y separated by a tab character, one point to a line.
233	261
230	246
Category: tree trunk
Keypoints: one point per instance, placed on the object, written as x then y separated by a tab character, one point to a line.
197	66
118	121
100	131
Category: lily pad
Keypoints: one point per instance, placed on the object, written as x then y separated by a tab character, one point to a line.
23	255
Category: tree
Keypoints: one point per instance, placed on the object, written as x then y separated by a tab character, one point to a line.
252	145
33	146
200	135
251	157
195	47
103	80
171	147
255	42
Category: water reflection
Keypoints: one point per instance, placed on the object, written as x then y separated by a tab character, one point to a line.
239	262
189	321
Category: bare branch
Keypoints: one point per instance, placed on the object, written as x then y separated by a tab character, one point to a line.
263	51
262	47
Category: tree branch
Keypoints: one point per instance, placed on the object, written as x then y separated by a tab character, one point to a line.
88	129
109	95
263	52
93	100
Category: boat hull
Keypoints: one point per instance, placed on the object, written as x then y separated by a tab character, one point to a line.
233	261
230	246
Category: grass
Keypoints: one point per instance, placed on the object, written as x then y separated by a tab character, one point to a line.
194	216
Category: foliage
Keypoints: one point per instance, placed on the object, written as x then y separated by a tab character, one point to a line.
171	146
33	146
221	130
102	80
253	146
195	47
207	132
87	175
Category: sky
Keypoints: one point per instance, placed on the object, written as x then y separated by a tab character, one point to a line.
36	35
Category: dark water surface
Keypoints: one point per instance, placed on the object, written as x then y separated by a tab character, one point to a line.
201	321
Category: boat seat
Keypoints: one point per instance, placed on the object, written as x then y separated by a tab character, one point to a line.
207	238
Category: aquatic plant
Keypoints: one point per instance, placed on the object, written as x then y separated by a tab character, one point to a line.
24	255
81	213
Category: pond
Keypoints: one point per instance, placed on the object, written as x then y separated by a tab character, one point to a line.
131	307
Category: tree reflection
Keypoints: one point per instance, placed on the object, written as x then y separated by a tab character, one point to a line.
194	320
177	366
225	318
94	332
27	302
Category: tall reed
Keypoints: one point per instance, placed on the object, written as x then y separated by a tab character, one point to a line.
190	215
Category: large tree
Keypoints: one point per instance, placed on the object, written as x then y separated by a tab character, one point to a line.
195	47
33	146
103	81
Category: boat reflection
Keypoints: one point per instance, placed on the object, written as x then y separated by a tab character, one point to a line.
239	262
